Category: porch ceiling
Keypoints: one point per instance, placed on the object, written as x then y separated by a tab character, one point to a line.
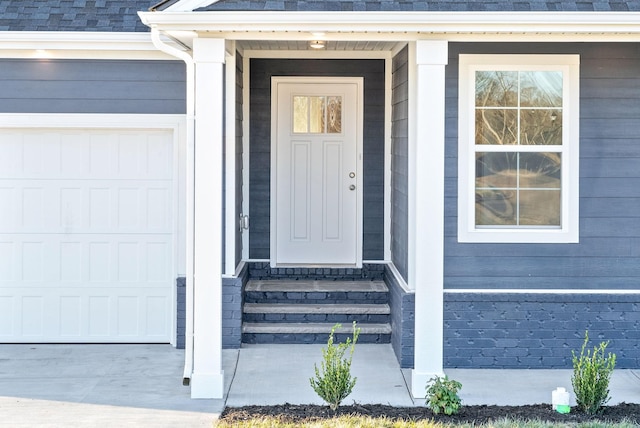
330	45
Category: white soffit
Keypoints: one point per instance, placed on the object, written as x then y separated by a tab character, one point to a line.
403	26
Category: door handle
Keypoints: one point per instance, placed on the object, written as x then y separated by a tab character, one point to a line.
352	187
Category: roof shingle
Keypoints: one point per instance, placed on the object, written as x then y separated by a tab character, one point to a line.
73	15
121	15
428	5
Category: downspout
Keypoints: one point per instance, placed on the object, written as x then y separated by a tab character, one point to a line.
190	132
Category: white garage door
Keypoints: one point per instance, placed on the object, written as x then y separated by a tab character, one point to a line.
86	242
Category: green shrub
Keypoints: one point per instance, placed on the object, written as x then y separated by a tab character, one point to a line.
591	374
442	395
333	381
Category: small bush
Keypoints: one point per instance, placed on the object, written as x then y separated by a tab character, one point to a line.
442	395
333	381
591	374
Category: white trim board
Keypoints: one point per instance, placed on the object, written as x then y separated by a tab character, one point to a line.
539	291
79	45
386	25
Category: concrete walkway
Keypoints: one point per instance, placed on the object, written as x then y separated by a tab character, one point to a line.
141	385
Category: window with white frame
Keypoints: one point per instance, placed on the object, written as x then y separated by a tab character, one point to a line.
518	148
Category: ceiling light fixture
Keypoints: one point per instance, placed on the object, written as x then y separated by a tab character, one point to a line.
317	44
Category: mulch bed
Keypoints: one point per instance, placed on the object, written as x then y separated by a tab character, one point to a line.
467	414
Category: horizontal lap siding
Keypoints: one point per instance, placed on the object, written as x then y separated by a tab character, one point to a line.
91	86
607	255
260	145
239	155
400	162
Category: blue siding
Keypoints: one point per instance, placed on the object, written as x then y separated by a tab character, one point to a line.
607	255
400	162
92	86
239	160
260	145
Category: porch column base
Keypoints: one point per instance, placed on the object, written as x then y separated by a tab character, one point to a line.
207	385
419	382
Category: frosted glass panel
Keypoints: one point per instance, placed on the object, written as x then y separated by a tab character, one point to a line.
317	114
300	114
334	115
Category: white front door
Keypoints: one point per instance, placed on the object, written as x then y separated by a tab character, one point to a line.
316	208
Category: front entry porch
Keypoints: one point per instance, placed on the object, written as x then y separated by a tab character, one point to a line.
235	170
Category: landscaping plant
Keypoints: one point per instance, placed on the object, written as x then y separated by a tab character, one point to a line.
591	374
333	381
442	395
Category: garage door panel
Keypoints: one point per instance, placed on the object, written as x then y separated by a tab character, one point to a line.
85	260
76	206
92	154
86	236
75	315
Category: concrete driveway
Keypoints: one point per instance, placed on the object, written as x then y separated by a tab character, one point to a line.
99	386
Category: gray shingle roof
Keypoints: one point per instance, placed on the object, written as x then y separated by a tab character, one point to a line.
426	5
72	15
121	15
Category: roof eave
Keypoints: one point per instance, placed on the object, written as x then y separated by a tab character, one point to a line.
398	25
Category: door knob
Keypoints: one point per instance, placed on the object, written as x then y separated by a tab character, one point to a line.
352	187
352	175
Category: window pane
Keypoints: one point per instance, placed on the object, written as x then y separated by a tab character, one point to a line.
541	89
518	189
540	170
496	184
316	114
539	208
496	126
334	115
300	114
495	207
496	169
496	88
540	127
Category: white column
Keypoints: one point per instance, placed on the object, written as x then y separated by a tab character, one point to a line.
426	220
207	379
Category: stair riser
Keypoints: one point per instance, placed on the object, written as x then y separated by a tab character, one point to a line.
311	338
344	319
315	297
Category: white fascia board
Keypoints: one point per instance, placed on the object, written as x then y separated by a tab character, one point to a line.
77	44
189	5
399	25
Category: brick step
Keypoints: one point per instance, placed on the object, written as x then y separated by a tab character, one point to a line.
316	292
323	313
319	286
284	308
304	311
311	333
